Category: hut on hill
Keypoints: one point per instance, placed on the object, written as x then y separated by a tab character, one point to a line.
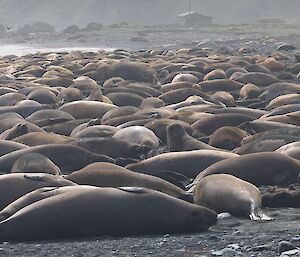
190	19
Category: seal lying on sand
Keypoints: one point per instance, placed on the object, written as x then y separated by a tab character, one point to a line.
104	211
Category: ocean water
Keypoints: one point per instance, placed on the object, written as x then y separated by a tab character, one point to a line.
19	50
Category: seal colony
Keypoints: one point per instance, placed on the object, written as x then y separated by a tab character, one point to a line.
145	142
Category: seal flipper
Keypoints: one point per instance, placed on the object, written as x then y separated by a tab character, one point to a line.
35	177
257	215
175	175
134	190
174	178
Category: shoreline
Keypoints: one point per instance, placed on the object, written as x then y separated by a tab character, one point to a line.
19	50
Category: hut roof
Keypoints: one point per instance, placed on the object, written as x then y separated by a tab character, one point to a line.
187	14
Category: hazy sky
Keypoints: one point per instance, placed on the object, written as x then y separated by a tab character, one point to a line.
62	13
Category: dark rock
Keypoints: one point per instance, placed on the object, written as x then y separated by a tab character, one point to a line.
286	47
260	248
284	246
294	253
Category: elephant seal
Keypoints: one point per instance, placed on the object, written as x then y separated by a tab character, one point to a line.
34	163
257	168
69	94
179	140
29	198
7	146
42	117
279	89
67	157
223	97
24	111
119	121
291	149
281	197
136	71
269	140
84	83
125	99
186	78
227	138
138	135
257	126
55	82
43	96
11	99
87	109
119	111
90	123
178	95
94	213
210	124
254	113
112	147
226	193
111	82
258	68
258	78
220	85
9	122
250	91
42	138
16	131
103	174
159	127
285	109
152	102
122	94
94	131
189	163
215	74
28	103
65	128
281	100
15	185
175	85
159	113
273	65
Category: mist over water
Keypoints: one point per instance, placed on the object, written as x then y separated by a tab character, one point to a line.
62	13
20	50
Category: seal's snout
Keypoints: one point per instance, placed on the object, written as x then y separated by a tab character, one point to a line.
175	130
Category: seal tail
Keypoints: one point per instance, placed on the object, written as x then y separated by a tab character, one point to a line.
256	214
